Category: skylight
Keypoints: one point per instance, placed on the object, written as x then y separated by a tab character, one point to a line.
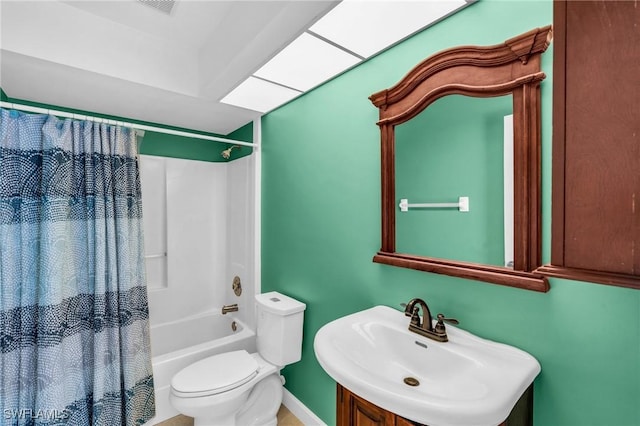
352	31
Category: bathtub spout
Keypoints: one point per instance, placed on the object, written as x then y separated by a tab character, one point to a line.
229	308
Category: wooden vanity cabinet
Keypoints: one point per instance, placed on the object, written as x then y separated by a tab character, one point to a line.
356	411
353	410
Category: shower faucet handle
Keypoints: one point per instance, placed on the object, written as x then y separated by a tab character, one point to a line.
229	308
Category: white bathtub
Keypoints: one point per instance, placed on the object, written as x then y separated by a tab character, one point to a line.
174	345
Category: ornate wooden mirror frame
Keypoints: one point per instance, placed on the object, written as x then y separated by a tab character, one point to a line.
512	67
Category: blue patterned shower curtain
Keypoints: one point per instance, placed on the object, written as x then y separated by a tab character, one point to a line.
74	319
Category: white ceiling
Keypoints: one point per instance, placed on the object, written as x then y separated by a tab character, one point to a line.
124	58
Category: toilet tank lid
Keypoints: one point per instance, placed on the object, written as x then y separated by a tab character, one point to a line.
279	304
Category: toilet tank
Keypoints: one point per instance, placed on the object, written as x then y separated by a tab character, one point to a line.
279	328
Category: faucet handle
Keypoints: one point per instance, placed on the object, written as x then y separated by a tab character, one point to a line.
415	318
449	320
439	327
407	311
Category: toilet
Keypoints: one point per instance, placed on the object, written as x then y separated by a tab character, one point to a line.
239	388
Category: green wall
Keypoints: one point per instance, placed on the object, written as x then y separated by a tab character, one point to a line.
321	227
165	145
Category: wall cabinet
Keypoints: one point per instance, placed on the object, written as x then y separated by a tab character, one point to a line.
596	143
353	410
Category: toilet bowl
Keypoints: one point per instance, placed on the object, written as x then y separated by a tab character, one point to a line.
239	388
228	389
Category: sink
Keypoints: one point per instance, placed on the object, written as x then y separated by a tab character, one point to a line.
465	381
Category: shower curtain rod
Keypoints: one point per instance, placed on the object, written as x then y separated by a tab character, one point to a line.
38	110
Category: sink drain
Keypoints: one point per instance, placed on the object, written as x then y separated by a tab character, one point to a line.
411	381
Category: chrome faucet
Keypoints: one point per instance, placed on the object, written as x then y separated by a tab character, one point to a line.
425	326
229	308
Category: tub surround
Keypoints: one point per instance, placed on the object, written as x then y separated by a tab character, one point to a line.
196	243
207	235
208	242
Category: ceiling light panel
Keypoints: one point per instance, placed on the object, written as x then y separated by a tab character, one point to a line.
306	63
259	95
368	27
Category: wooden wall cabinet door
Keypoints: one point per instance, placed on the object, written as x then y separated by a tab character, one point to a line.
596	143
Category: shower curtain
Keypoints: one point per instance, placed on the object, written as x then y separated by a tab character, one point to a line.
74	319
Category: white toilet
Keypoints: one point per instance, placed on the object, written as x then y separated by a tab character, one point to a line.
239	388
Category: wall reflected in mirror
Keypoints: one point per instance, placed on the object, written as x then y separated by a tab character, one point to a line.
455	148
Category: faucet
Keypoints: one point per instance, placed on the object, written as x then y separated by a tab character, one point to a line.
411	310
425	327
229	308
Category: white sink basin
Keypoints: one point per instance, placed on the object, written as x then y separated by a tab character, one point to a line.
463	382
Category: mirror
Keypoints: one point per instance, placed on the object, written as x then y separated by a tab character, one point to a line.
419	155
438	160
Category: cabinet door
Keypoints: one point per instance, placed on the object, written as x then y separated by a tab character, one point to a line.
401	421
596	142
355	411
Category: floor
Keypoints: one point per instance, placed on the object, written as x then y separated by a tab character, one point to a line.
285	418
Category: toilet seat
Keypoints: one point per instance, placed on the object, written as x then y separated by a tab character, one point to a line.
216	374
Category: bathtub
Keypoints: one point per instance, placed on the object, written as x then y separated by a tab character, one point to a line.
177	344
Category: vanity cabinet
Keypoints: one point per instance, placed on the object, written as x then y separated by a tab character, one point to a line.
596	140
356	411
353	410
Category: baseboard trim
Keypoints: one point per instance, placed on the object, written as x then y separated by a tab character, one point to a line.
306	416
